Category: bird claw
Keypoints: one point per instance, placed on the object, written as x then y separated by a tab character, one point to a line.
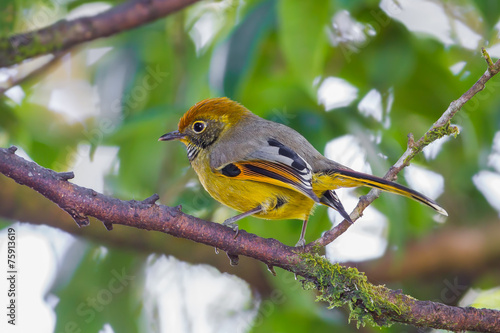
270	268
301	243
230	224
233	259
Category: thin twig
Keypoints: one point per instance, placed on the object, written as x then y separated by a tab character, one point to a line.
440	128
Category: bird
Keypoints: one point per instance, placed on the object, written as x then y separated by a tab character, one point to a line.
266	169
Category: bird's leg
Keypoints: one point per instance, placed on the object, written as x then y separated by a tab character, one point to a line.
231	222
302	239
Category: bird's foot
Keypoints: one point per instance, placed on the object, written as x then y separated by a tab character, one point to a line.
301	243
231	224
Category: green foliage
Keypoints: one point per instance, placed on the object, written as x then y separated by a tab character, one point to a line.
490	10
303	39
102	289
7	19
489	299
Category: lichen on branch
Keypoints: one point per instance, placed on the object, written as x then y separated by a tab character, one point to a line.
339	285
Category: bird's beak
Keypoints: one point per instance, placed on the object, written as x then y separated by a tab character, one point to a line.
175	135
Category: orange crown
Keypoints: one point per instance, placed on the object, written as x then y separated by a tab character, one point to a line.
220	108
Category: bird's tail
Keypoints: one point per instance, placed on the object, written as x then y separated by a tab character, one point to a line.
337	178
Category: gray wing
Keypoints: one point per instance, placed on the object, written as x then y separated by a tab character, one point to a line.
265	158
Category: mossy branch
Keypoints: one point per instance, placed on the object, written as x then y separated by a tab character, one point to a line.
64	34
338	285
442	127
381	306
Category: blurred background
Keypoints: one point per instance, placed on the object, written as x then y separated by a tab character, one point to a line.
354	77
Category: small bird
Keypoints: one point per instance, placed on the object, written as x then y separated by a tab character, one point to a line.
266	169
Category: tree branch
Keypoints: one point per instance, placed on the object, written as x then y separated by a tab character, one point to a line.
20	79
339	285
65	34
20	203
440	128
464	250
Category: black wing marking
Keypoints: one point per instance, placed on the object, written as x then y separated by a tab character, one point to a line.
330	199
230	170
297	162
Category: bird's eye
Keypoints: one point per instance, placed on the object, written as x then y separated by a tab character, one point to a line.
199	126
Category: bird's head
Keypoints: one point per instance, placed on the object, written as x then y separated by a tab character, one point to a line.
205	122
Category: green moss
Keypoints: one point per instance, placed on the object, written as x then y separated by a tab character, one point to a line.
438	132
38	46
487	57
29	45
432	135
339	286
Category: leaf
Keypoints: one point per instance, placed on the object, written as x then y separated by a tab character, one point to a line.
490	9
242	46
101	290
8	17
303	39
489	299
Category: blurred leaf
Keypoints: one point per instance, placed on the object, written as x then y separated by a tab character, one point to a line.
45	135
8	9
102	289
489	299
302	32
8	119
243	44
490	10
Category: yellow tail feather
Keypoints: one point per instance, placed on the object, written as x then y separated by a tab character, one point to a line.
337	178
